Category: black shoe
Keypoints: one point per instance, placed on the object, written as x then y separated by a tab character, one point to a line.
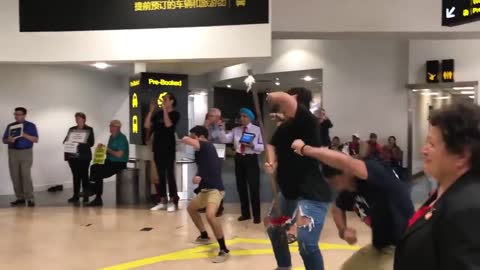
87	193
220	212
202	210
243	218
31	204
18	203
95	203
74	199
85	199
257	220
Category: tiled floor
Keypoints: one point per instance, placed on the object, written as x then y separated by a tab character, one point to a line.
55	235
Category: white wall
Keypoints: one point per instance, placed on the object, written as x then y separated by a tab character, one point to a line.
329	16
53	95
363	81
133	45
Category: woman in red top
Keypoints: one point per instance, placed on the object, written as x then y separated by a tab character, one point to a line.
443	234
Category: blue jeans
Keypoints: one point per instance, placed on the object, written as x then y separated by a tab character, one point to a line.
308	236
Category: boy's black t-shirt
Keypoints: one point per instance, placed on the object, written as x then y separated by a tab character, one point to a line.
209	167
382	202
164	137
298	176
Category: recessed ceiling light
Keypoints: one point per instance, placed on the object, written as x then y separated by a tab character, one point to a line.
467	92
277	83
464	88
307	78
472	97
101	65
430	94
229	86
277	79
445	97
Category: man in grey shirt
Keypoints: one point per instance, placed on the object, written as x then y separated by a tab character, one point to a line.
215	125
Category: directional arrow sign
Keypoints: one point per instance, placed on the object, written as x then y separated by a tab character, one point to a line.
457	12
450	13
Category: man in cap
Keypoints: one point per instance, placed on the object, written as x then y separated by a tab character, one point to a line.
354	145
117	158
248	143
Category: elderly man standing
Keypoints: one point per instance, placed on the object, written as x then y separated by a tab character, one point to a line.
20	137
248	144
215	125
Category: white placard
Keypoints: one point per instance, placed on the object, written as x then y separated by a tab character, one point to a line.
15	131
70	148
221	150
78	136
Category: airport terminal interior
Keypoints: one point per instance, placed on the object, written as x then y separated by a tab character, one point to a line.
98	105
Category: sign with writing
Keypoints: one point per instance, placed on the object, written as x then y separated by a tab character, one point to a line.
448	70
100	155
457	12
153	87
84	15
433	69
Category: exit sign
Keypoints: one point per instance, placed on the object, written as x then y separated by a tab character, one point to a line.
457	12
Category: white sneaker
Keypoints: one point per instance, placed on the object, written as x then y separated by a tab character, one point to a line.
171	207
221	257
158	207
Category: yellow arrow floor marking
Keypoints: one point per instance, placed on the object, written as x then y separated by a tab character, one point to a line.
209	251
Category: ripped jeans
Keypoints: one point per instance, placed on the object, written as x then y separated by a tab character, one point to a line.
308	236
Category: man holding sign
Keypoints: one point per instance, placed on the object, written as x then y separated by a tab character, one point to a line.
115	160
20	137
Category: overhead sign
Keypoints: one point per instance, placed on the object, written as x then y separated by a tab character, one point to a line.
444	71
448	70
61	15
433	69
457	12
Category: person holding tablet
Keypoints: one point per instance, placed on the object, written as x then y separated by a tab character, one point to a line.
248	144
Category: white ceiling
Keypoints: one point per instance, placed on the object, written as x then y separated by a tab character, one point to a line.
194	67
286	79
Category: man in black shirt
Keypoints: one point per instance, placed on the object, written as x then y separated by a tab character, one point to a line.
209	179
325	126
374	191
305	195
163	126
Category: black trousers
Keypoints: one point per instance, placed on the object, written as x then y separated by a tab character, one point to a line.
79	169
247	172
166	175
99	172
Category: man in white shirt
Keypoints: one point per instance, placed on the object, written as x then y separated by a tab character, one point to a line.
247	170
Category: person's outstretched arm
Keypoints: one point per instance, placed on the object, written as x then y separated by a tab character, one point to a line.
192	142
332	158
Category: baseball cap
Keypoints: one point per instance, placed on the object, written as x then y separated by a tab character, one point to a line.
356	135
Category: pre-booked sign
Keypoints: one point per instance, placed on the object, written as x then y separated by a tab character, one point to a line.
153	87
457	12
83	15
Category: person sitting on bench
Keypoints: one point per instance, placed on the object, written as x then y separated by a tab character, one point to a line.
117	158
